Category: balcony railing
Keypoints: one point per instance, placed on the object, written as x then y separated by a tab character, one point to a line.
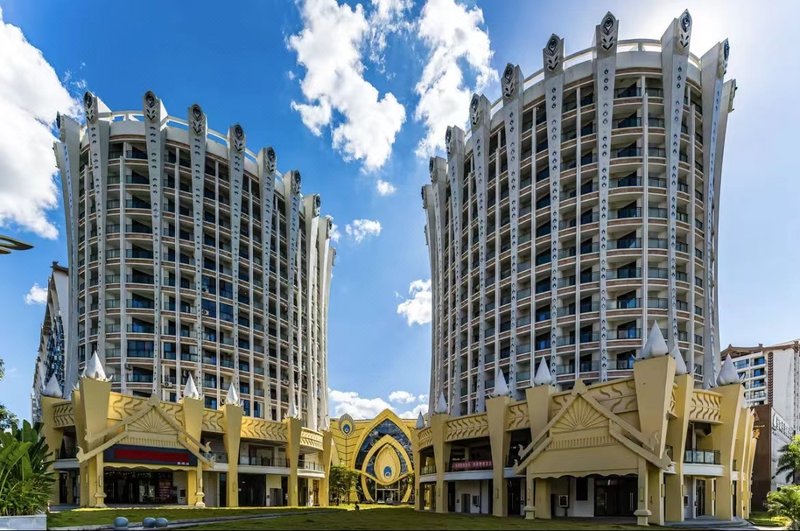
458	466
702	457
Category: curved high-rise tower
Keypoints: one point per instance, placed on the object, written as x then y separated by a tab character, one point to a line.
577	210
190	254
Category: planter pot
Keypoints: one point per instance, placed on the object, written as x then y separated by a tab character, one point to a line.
32	521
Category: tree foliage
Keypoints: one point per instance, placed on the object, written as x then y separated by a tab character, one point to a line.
789	461
7	418
26	480
342	480
785	502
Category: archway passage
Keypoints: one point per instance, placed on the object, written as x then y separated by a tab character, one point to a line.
136	487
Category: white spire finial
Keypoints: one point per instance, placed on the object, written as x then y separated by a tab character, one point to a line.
655	344
52	389
727	374
94	369
441	404
292	411
232	398
543	375
500	385
190	390
420	421
680	364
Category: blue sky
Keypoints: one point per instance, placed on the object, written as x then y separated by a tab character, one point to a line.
404	70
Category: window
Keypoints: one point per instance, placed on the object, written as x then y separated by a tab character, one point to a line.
581	489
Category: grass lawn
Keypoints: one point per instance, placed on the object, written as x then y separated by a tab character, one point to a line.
106	516
384	518
763	519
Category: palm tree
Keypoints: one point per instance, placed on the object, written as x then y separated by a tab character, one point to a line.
789	461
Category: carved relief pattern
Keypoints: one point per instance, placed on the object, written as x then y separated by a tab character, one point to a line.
517	416
155	162
469	427
294	228
311	439
439	331
97	159
63	415
619	397
583	442
197	141
173	411
479	139
677	88
425	438
455	170
267	170
604	91
124	406
212	421
580	416
554	91
513	111
236	141
152	423
254	428
705	406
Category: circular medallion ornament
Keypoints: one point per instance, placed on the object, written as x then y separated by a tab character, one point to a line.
346	425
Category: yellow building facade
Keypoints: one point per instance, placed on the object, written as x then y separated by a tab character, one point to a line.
381	451
653	446
113	448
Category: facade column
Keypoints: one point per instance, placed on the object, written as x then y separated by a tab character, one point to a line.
324	485
499	440
232	422
53	437
711	496
441	456
530	510
676	438
642	513
293	429
655	501
541	487
93	412
723	438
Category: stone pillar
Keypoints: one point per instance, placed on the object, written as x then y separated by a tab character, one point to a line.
642	513
711	490
441	456
324	485
232	422
93	400
192	415
542	498
499	440
530	508
53	437
676	438
538	399
655	502
293	430
723	438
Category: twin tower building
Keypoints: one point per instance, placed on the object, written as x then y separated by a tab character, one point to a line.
572	232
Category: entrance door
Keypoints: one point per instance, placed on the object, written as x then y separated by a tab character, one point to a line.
615	496
700	497
514	496
465	499
451	497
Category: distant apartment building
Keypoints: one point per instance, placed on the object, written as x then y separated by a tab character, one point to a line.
770	375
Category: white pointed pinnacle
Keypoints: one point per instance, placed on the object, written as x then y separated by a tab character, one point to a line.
680	364
190	390
232	398
655	344
293	411
727	374
94	369
543	375
500	385
52	389
420	421
441	404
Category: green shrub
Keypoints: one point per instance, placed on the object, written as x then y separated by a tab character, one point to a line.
26	480
785	502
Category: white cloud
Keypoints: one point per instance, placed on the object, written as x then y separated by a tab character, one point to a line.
454	36
358	407
334	233
360	229
30	96
330	48
417	309
36	295
402	397
385	188
387	17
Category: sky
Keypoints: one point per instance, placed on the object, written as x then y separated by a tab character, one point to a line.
357	96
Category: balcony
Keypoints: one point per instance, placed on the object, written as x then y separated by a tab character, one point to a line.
629	333
459	466
702	457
